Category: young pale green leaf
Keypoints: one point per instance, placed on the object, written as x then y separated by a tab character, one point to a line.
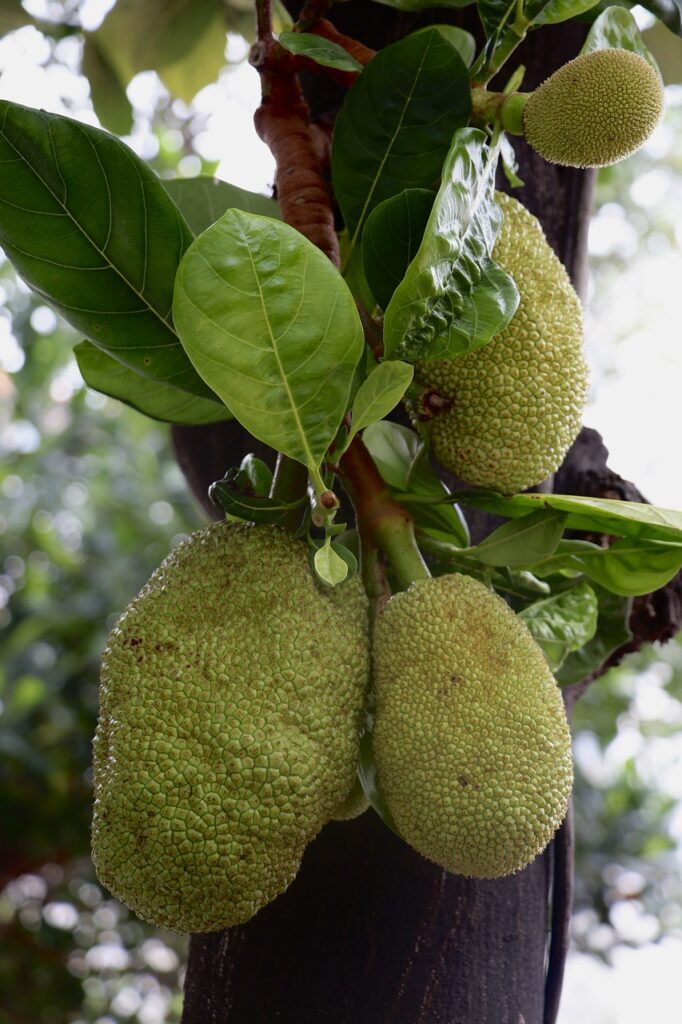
379	394
594	515
563	623
154	398
202	200
616	28
401	460
612	632
109	98
322	51
329	566
550	12
521	542
269	321
454	298
92	230
230	495
391	239
396	124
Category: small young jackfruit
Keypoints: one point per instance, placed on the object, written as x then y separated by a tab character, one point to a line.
231	697
595	110
471	742
515	405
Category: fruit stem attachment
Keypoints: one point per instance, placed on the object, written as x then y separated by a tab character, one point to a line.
382	522
507	111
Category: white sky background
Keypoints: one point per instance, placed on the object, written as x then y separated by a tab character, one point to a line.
634	347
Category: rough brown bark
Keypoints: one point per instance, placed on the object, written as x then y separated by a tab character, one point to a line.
369	932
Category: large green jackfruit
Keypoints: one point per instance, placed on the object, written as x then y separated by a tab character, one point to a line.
471	741
515	404
595	110
231	697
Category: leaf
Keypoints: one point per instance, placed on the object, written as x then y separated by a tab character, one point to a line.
550	12
90	228
236	501
510	164
401	460
330	567
612	632
594	515
667	11
495	13
200	64
419	5
616	28
322	51
628	567
378	394
270	322
154	34
160	401
522	542
112	106
254	475
396	124
463	41
202	200
391	238
454	298
563	623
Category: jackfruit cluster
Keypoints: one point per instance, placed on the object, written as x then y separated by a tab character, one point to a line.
595	110
514	407
471	742
231	696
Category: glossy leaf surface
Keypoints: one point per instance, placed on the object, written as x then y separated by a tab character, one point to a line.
454	298
230	495
615	27
153	398
268	320
551	12
522	541
395	127
203	200
563	623
612	632
91	229
392	236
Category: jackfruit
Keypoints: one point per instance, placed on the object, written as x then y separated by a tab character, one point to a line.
231	697
595	110
514	407
471	742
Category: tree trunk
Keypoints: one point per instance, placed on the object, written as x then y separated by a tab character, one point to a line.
370	932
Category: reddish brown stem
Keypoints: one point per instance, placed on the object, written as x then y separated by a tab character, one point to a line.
282	121
361	53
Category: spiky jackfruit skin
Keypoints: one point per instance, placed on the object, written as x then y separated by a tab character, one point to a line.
471	741
516	403
230	707
595	110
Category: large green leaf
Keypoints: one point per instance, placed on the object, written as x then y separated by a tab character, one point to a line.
563	623
91	229
269	321
616	28
393	233
522	542
629	567
109	98
201	64
594	515
612	632
550	12
202	200
153	398
397	122
454	298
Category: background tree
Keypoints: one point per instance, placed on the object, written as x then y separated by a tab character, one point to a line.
358	873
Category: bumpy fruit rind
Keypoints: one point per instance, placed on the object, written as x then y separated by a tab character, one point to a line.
471	741
231	697
595	110
516	404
